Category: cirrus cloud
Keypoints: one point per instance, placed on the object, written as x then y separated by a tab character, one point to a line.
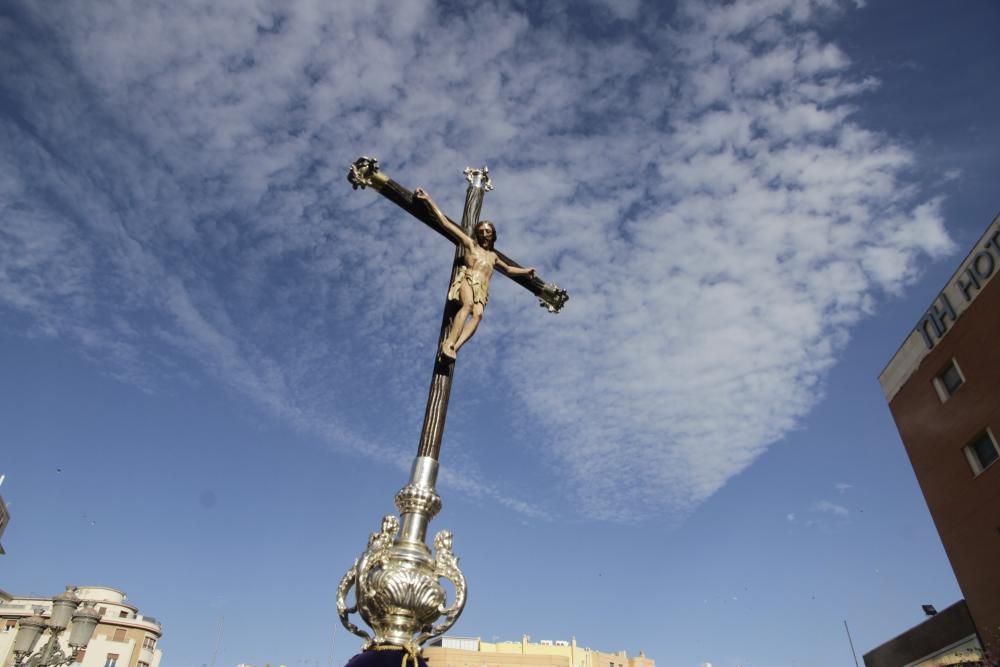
172	186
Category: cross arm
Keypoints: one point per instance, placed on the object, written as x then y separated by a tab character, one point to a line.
365	173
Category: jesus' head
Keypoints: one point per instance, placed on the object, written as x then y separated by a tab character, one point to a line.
485	234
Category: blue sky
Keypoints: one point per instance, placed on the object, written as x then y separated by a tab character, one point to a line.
215	353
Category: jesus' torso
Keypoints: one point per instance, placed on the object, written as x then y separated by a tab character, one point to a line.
479	263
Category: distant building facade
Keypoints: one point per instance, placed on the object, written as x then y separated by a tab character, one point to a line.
947	638
474	652
943	389
123	637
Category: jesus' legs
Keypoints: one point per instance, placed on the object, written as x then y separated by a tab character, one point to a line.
450	345
470	326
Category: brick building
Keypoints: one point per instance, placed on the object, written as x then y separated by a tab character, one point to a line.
943	389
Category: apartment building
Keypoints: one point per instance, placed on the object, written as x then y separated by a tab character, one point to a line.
123	637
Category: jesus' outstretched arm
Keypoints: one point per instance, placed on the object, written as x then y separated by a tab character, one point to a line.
454	230
513	271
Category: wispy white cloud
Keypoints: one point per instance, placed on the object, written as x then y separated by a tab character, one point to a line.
826	507
172	178
843	487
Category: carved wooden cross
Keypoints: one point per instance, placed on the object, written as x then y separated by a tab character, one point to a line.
364	173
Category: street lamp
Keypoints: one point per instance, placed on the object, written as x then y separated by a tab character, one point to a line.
65	607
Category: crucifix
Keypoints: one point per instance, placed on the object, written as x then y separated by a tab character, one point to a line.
396	580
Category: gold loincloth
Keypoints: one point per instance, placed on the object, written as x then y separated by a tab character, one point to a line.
480	290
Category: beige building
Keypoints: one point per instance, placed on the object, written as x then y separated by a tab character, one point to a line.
123	638
474	652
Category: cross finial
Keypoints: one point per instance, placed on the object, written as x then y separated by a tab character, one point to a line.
479	178
364	173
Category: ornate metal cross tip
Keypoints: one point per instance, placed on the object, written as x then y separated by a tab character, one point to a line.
552	298
364	173
396	581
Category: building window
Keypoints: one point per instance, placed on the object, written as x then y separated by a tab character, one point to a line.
123	614
111	660
982	452
948	381
119	635
142	664
102	610
149	642
9	625
79	654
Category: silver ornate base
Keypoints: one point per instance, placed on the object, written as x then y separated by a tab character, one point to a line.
396	580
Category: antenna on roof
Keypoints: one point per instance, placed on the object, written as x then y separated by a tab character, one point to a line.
218	640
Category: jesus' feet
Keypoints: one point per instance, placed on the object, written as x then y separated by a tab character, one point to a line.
448	350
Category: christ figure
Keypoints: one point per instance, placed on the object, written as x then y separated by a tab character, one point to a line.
472	280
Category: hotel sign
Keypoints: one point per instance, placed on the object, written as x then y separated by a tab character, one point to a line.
978	269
